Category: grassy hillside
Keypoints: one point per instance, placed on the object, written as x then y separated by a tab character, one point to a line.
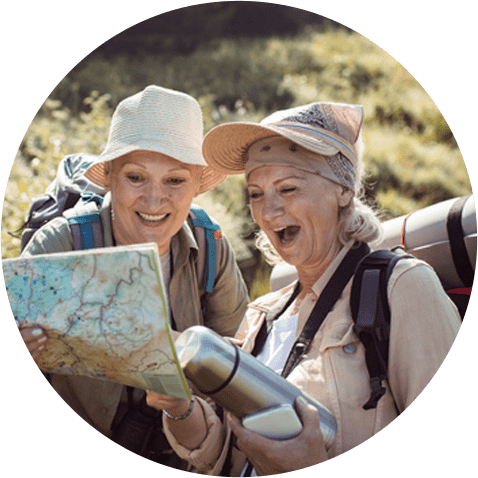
412	159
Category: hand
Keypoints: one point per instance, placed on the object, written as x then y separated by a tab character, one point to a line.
280	456
35	340
174	406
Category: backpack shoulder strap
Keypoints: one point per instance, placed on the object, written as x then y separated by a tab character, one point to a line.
85	224
456	235
371	314
328	297
212	231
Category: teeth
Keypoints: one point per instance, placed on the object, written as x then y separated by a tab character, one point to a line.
148	217
287	234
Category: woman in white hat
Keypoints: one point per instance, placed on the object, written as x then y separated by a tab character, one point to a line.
152	168
303	170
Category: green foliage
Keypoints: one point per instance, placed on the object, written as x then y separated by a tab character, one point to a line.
411	157
53	134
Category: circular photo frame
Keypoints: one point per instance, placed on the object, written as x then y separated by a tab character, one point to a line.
67	72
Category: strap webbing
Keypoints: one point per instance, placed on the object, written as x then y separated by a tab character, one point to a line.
461	260
371	314
324	304
85	223
86	231
212	230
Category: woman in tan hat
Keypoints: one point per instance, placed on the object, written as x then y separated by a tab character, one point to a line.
152	168
303	170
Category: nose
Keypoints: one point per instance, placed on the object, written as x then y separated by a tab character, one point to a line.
154	196
273	207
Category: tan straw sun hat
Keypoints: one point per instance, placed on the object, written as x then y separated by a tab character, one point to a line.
323	128
160	120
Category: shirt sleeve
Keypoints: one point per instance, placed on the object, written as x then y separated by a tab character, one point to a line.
55	236
424	325
204	457
226	305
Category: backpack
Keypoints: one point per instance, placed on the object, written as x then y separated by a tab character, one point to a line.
369	298
442	234
73	196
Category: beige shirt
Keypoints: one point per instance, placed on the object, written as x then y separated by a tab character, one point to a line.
97	401
424	325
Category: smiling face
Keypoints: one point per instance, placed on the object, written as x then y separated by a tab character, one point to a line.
151	196
299	212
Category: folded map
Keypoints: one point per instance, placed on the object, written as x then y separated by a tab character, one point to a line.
105	314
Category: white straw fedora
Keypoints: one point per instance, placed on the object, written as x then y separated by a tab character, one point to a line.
161	120
323	128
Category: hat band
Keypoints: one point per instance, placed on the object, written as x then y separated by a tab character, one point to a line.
336	140
281	151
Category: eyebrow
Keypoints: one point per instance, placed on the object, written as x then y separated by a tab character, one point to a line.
298	176
172	170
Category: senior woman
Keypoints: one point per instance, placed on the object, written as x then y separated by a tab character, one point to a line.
152	168
303	170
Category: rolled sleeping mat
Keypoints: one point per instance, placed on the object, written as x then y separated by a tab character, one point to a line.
241	384
444	235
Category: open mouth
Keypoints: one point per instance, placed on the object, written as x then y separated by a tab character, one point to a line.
152	219
287	234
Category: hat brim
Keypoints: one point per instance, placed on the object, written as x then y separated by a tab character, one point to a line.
226	145
210	177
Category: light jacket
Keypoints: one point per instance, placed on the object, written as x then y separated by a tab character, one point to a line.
97	401
424	325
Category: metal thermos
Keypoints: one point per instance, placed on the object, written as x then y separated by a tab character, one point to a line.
237	381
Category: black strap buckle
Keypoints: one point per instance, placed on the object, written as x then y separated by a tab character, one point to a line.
377	393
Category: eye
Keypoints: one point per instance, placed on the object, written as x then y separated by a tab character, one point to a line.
255	194
175	181
287	190
134	178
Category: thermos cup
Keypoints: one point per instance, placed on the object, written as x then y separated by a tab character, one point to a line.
241	384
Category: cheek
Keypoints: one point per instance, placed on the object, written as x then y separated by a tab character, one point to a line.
123	192
181	203
256	214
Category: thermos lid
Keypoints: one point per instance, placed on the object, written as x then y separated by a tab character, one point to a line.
206	358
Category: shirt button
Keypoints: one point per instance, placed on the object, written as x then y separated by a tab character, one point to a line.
349	348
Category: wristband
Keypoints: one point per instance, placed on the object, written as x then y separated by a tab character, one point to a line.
181	417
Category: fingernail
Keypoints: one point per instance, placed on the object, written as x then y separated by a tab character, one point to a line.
43	339
37	332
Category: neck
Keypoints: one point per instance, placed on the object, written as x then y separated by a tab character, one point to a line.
309	274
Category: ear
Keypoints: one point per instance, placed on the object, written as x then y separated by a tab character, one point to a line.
198	172
345	196
108	170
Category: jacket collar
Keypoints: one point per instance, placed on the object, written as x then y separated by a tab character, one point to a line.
183	243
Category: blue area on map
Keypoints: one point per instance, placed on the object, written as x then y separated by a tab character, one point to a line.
43	293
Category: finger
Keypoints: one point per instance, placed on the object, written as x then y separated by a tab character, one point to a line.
165	402
32	334
154	399
247	440
35	340
37	352
36	348
157	396
308	414
175	334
